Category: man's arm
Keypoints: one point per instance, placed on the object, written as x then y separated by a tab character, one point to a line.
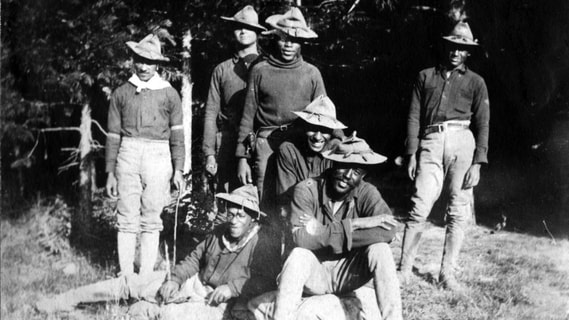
249	111
190	266
177	148
286	173
481	121
330	236
375	223
212	108
413	118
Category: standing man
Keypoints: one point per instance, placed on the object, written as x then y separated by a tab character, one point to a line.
448	102
145	146
341	227
277	86
226	97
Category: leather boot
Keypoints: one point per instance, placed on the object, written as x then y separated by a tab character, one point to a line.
409	247
148	251
453	243
126	245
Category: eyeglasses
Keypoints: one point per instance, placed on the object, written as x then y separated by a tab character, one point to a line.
239	214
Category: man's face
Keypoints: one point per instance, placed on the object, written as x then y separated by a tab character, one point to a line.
144	68
288	47
244	37
317	137
346	177
457	55
239	221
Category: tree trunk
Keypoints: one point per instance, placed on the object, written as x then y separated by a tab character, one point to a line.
187	108
82	221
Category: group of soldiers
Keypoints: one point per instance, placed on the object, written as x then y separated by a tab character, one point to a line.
305	236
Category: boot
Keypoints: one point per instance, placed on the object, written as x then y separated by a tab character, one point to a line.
409	247
126	245
148	251
453	243
107	290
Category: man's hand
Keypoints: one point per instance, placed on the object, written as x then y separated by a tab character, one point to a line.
412	166
168	290
219	295
211	165
178	180
111	186
472	176
311	224
244	171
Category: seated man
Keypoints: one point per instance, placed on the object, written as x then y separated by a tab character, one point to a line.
303	160
341	227
236	261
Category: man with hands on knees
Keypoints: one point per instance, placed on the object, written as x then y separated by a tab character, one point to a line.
341	227
447	141
144	150
237	261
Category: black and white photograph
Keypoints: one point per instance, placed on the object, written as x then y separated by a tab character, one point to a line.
284	159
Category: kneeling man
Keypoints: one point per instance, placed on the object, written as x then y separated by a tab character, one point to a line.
341	226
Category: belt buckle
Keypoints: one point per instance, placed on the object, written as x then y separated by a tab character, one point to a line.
283	127
438	128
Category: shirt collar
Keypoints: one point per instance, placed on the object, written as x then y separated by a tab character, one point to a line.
441	68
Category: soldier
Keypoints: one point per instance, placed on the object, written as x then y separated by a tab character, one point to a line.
447	101
282	83
145	145
237	261
226	97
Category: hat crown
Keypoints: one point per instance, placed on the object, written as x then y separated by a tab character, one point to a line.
323	106
462	30
291	23
245	196
247	15
461	34
354	150
149	47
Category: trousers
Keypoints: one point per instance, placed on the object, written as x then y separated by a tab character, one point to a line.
442	162
143	171
304	273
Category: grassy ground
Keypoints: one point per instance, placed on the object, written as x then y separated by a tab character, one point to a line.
507	275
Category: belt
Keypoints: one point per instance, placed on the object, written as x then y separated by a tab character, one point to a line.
283	127
446	126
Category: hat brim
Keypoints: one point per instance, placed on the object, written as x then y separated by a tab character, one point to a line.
302	34
238	200
133	46
254	26
461	41
323	121
356	158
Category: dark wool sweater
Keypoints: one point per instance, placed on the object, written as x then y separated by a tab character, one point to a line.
274	90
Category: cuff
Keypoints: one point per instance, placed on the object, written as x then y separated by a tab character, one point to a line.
412	145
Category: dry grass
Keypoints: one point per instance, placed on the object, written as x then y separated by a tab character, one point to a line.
507	275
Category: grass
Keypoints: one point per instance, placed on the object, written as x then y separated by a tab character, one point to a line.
507	275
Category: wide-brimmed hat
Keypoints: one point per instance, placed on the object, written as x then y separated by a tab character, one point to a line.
461	34
321	112
246	196
354	150
291	23
148	48
247	17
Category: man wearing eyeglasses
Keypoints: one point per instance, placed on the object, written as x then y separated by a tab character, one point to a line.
236	262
